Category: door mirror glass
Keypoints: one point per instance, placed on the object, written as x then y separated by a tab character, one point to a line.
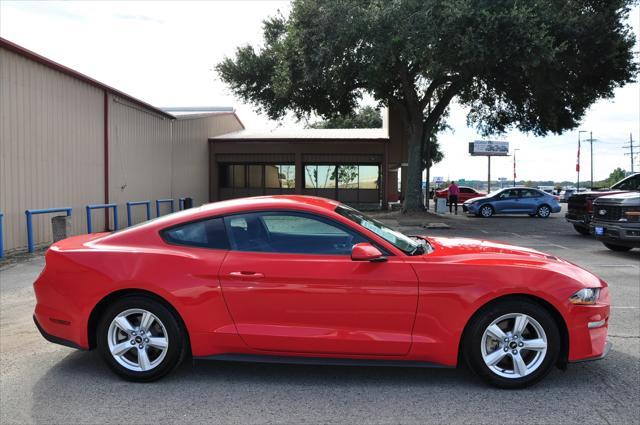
366	252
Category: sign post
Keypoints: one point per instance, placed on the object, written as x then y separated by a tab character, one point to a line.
488	148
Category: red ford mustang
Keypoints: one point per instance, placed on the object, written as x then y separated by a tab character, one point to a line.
307	280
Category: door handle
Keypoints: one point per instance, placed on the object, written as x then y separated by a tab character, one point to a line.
246	275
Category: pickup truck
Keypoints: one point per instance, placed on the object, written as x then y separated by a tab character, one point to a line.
616	221
580	205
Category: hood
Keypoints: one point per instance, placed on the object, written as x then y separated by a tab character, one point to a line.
461	246
625	198
477	198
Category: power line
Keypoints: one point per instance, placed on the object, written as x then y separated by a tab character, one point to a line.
631	146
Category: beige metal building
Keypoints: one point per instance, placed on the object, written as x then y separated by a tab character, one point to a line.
67	140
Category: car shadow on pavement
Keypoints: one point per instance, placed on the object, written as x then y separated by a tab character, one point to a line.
80	388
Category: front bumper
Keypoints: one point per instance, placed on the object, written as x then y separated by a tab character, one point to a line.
607	348
626	234
470	208
580	219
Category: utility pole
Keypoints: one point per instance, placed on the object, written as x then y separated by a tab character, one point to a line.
514	167
578	161
591	148
631	147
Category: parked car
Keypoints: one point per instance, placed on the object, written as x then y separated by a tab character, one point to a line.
580	205
309	280
565	194
514	200
616	221
466	193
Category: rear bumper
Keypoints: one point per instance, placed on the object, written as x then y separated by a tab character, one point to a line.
55	339
578	219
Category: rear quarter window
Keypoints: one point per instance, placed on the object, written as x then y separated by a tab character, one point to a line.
209	233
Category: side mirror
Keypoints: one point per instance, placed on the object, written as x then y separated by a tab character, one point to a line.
366	252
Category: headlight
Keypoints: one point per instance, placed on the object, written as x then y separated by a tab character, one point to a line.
585	296
631	216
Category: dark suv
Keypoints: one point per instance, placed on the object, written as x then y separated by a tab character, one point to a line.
580	205
616	221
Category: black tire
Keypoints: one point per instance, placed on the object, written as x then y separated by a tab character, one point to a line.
543	211
617	248
582	230
175	334
486	211
472	341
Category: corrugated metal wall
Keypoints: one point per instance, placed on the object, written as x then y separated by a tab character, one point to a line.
191	153
52	150
51	146
139	156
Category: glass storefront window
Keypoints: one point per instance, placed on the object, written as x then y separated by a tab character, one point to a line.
255	176
320	176
238	176
369	176
347	176
280	176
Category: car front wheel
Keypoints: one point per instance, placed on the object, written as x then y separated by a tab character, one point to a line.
512	344
543	211
486	211
140	339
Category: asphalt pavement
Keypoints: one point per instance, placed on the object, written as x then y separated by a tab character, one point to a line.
44	383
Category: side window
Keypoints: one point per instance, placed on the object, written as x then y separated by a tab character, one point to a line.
465	190
202	234
528	193
289	233
511	193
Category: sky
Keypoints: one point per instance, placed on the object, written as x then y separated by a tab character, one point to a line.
164	53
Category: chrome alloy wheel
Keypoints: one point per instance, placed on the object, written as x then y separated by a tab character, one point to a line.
544	211
137	340
514	345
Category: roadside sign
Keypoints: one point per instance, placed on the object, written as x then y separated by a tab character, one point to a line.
488	148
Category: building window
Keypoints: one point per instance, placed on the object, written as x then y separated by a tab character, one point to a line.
257	176
280	176
368	176
320	176
349	176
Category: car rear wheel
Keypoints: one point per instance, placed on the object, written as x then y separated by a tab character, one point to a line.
512	344
544	211
486	211
617	248
140	339
582	230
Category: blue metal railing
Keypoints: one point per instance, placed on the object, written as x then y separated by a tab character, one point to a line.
131	204
30	213
1	235
102	206
163	201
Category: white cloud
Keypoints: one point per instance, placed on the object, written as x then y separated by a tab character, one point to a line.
164	53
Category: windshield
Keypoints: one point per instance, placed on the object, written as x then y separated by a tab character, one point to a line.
402	242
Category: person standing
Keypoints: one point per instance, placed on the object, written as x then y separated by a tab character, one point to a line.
454	192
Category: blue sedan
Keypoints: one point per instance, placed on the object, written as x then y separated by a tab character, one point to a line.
514	200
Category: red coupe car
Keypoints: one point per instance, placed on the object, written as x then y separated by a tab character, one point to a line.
466	193
308	280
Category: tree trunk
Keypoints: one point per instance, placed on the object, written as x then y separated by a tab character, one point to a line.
413	197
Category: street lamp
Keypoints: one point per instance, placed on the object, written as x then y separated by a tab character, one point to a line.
514	166
578	160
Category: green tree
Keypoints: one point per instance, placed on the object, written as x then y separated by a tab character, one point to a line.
615	176
535	65
367	117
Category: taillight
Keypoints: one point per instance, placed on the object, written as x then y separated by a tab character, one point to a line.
589	205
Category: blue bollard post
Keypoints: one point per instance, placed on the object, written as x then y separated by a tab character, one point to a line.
30	213
102	206
163	201
133	203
